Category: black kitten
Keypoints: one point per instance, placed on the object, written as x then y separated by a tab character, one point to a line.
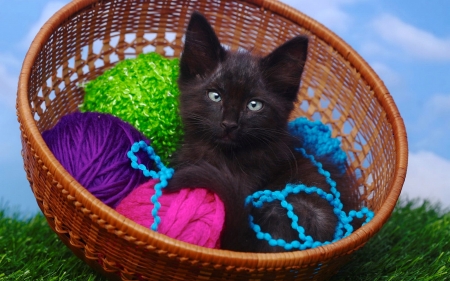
235	110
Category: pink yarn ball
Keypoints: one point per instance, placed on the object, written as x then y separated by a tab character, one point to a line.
193	215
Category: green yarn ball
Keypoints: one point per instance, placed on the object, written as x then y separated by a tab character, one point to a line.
143	92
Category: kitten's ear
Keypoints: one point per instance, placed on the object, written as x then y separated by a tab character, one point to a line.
283	67
202	50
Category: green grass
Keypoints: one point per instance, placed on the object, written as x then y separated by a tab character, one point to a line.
30	250
413	245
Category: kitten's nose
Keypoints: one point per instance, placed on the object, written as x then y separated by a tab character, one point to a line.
229	125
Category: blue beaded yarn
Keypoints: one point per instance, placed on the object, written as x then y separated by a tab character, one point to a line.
163	175
317	141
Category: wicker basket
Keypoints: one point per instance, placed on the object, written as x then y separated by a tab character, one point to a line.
87	37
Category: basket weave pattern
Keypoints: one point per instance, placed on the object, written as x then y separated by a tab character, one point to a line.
338	87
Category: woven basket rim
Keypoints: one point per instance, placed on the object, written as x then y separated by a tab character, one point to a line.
193	252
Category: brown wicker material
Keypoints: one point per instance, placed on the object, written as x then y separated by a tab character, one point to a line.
86	37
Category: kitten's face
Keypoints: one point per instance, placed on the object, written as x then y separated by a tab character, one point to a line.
232	106
235	99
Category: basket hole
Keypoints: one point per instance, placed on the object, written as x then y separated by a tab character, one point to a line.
371	195
130	37
73	77
324	102
366	163
310	92
113	58
99	63
150	37
40	94
84	53
317	116
114	41
369	180
169	51
85	69
149	49
336	114
170	36
49	84
130	52
52	95
357	146
43	106
347	128
71	63
226	47
59	72
361	140
97	46
351	157
362	190
304	105
241	50
358	173
36	116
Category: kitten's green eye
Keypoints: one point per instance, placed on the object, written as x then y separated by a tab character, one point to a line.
254	105
214	96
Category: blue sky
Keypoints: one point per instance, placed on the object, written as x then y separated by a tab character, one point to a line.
406	42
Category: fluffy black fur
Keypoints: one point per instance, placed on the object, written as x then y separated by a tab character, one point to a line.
235	151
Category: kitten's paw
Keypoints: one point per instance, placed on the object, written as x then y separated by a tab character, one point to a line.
187	177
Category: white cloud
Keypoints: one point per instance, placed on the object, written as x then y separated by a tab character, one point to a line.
416	42
436	112
49	10
428	177
328	12
433	125
9	76
8	87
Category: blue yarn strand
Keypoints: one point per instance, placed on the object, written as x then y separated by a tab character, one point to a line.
164	174
317	140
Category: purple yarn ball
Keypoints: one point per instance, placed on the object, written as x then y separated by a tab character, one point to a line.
93	148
